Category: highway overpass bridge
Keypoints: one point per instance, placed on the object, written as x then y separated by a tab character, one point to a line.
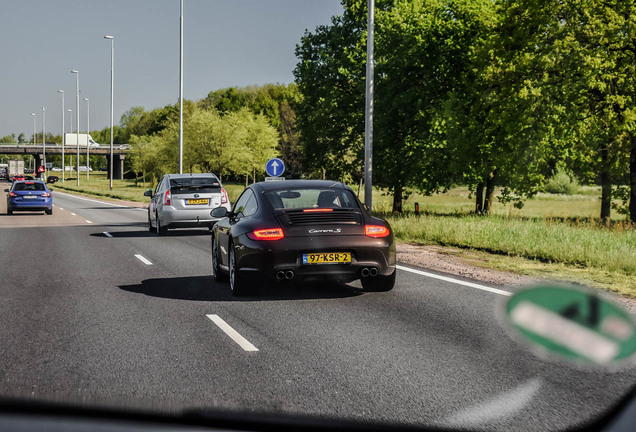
119	153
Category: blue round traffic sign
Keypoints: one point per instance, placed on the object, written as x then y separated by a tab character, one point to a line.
275	167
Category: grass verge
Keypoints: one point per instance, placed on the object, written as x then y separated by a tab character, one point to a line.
588	254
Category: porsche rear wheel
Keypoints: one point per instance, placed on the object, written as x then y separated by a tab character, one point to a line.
238	284
219	276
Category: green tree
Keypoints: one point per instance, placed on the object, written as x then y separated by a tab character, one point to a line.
422	49
561	80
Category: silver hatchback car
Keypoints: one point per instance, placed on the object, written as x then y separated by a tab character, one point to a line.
184	201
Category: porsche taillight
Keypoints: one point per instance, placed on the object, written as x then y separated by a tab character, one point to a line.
376	231
267	234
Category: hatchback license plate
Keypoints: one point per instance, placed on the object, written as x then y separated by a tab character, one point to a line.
30	197
327	258
196	201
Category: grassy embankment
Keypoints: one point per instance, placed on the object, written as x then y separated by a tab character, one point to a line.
553	236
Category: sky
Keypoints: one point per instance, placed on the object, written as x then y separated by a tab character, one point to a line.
226	43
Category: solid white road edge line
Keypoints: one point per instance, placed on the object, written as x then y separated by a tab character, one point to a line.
455	281
236	337
107	234
88	199
143	259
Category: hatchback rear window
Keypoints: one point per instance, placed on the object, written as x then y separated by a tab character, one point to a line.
29	187
311	198
195	185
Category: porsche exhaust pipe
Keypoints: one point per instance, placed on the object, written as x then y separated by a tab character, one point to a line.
373	271
280	275
289	274
364	272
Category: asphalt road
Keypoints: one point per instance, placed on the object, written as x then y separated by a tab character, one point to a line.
97	311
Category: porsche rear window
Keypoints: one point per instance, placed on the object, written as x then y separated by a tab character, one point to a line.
29	187
195	185
311	198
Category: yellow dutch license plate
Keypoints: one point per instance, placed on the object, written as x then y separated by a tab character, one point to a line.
196	201
327	258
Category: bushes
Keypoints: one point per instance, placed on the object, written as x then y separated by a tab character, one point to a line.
562	182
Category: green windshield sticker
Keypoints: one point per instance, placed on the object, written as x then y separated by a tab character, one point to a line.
573	323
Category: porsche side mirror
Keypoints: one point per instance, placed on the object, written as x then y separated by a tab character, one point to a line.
219	212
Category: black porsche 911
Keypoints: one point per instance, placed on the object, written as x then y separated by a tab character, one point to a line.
301	229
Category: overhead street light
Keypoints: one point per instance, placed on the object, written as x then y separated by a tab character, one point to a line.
88	131
368	112
78	118
63	133
112	82
181	91
44	142
70	131
33	115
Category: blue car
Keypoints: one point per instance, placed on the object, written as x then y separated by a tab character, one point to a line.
29	196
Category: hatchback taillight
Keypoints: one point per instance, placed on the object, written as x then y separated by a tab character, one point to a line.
167	197
13	194
46	195
224	199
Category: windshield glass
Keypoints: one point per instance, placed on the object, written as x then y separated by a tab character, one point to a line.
419	214
311	198
195	185
29	187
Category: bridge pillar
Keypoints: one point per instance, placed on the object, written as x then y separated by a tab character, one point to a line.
118	166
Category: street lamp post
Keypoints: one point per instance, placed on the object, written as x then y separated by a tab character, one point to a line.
112	82
44	141
181	91
33	115
88	131
368	111
78	119
70	131
63	133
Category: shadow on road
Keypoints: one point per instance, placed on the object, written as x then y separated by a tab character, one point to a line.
204	288
146	233
24	213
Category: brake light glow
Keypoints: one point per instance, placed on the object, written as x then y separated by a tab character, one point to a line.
267	234
13	194
224	199
318	210
167	197
376	231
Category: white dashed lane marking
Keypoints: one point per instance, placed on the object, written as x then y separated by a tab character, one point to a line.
143	259
236	337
